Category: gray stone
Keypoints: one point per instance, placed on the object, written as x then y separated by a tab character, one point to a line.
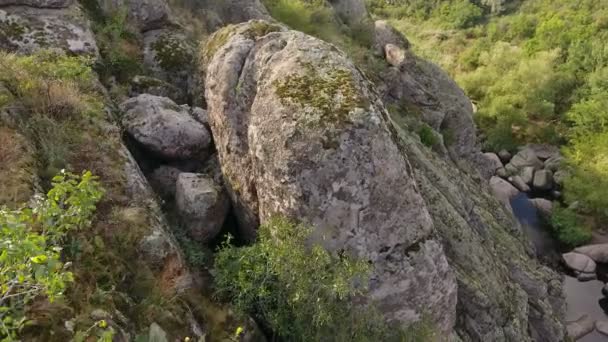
385	33
505	156
202	205
493	160
544	151
544	206
99	314
157	334
502	173
581	327
394	55
350	11
164	128
33	29
598	252
519	183
154	86
37	3
511	170
526	157
527	174
543	180
583	277
282	156
579	262
602	327
163	181
554	163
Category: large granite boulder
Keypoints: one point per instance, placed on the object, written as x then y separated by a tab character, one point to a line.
202	205
299	133
543	180
526	157
304	137
164	128
599	252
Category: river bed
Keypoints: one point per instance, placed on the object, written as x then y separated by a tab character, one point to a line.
581	297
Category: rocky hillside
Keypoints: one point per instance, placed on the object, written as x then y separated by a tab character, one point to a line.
258	121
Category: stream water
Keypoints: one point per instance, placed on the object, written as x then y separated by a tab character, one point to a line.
581	297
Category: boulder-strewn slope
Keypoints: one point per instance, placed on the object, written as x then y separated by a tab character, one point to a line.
301	132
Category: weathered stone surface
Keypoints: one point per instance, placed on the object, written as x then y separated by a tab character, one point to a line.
385	33
237	11
554	163
544	206
154	86
165	128
599	252
201	115
350	11
543	151
26	29
527	174
37	3
519	183
579	262
144	15
580	327
602	327
526	157
505	156
511	170
394	55
169	56
502	173
202	205
493	160
503	190
163	181
280	153
543	180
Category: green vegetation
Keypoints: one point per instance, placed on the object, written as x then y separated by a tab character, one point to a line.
427	136
568	229
32	240
536	71
266	281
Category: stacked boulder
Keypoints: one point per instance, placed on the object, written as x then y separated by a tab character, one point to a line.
183	171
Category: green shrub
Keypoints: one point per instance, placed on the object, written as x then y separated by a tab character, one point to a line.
567	227
31	240
301	293
459	13
427	136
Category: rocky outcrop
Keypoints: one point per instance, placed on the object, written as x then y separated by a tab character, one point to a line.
304	137
350	11
599	252
300	132
164	128
25	29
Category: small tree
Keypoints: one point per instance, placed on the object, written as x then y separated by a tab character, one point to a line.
30	242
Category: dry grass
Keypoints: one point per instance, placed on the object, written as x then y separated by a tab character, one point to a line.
16	168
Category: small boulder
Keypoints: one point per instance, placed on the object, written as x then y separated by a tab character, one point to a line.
583	277
581	327
394	55
163	181
579	262
543	180
505	156
493	160
502	173
200	115
503	190
602	327
519	183
598	253
544	206
164	128
511	170
202	205
544	151
526	157
527	174
385	33
554	163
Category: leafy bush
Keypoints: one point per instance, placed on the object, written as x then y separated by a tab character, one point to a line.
31	240
567	227
302	293
459	13
427	136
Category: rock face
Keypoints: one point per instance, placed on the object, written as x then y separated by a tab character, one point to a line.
25	29
284	153
165	128
350	11
543	180
385	33
202	205
305	137
503	190
599	252
526	157
37	3
144	14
